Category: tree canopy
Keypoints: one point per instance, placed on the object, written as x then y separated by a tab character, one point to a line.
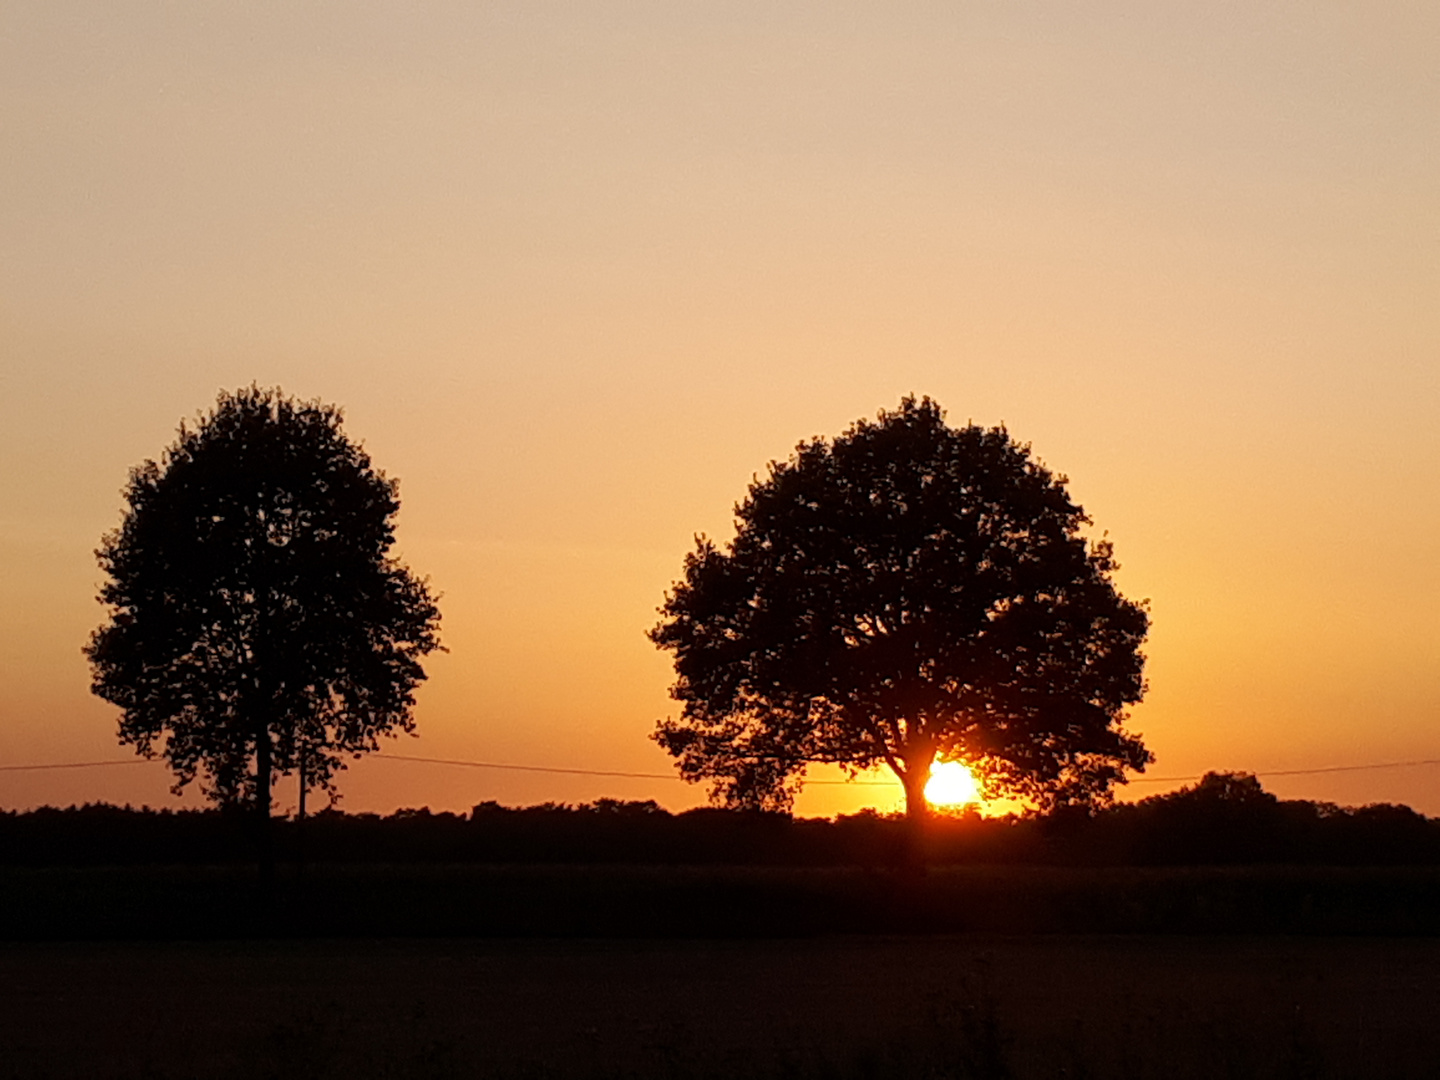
255	612
905	593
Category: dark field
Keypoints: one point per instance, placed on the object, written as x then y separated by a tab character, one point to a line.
632	971
983	1006
621	901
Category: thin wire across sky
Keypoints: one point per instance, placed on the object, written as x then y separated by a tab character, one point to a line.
513	767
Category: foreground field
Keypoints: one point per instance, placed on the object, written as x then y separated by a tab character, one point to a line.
419	900
982	1006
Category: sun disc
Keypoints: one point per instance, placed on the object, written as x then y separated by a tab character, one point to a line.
951	784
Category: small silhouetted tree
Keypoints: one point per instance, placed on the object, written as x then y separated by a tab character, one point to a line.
258	624
906	592
1226	817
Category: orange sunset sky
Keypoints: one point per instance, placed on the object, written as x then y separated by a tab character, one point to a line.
576	272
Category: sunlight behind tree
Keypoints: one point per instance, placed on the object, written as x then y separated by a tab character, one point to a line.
903	592
951	784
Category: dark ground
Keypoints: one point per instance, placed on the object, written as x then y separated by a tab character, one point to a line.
980	1005
979	972
623	901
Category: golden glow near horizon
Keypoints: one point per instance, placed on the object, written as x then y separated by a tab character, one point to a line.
576	274
951	783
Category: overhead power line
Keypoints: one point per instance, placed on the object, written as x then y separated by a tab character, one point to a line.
595	772
523	768
891	783
508	766
1293	772
74	765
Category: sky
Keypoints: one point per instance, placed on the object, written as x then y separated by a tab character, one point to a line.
576	272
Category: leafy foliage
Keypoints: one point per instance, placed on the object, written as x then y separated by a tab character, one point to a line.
255	611
906	591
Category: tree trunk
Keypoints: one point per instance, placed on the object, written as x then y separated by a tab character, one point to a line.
263	772
917	807
300	816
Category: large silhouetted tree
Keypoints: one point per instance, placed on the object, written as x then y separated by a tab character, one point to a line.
906	592
258	623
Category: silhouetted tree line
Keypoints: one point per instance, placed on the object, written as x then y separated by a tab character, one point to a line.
1225	819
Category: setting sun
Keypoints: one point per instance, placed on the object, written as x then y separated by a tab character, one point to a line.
951	784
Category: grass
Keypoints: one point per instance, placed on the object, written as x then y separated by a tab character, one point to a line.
977	1007
419	900
615	972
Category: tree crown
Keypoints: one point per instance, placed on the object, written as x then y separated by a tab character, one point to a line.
252	597
904	591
